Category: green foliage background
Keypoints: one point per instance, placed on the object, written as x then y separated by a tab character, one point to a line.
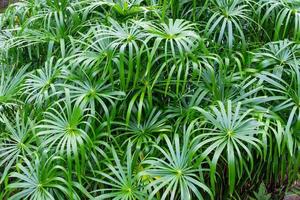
149	99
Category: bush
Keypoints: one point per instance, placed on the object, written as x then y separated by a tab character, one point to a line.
149	99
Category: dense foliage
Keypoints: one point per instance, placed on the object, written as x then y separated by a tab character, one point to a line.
149	99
